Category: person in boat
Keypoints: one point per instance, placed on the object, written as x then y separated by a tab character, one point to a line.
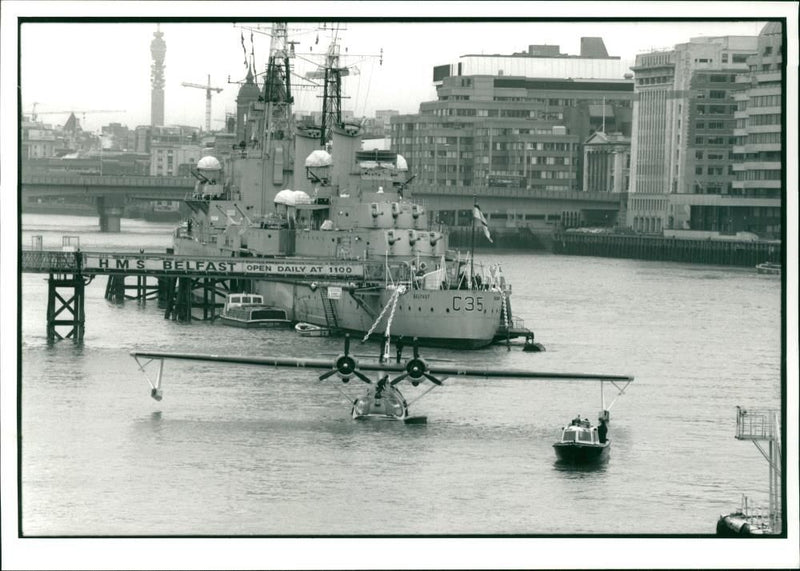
381	386
602	430
576	421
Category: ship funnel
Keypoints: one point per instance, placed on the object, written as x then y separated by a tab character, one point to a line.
345	144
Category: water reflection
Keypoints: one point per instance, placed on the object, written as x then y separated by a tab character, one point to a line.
578	471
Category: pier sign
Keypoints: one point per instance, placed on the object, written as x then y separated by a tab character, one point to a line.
99	263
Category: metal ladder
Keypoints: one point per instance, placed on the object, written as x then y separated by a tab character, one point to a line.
329	309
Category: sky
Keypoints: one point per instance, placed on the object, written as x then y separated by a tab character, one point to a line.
105	66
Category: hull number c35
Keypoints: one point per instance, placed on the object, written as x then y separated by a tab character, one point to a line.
467	303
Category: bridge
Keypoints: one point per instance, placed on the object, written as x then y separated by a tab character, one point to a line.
108	192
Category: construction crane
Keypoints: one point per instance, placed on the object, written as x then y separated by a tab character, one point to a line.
83	113
208	89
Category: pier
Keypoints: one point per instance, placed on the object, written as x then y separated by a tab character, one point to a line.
648	247
178	283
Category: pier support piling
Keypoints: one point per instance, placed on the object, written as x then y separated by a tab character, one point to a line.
65	293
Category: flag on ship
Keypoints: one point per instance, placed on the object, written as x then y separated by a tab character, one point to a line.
478	215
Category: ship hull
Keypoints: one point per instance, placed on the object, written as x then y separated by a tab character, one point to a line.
436	318
463	319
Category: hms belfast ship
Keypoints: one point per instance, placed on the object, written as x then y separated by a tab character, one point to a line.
348	248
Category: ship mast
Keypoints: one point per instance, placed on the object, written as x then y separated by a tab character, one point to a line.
277	93
331	73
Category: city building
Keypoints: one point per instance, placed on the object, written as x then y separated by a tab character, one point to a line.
682	146
37	141
758	137
173	146
606	162
118	137
508	128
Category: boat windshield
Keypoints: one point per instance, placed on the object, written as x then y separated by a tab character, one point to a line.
585	436
568	436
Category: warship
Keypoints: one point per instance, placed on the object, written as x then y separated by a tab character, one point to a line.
343	243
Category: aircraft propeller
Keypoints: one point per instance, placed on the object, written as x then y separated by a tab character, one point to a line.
416	369
345	366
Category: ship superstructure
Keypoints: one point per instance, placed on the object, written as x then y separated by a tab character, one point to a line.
292	196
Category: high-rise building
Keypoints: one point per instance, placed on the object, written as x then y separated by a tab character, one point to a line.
758	145
515	121
158	50
510	130
683	135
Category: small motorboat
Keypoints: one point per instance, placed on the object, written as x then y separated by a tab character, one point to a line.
311	330
582	443
248	310
769	268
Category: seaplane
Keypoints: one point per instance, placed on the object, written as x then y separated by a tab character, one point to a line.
382	399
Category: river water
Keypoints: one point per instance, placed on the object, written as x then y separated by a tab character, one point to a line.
242	451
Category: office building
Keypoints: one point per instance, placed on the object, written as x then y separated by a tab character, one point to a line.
683	135
758	137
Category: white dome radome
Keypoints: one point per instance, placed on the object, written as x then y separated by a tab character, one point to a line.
208	164
285	197
319	158
301	197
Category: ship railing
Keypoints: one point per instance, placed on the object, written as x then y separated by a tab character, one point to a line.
46	261
756	424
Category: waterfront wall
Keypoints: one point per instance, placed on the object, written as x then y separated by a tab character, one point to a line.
523	238
707	251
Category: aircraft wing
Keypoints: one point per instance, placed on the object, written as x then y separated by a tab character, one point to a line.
495	372
449	371
237	359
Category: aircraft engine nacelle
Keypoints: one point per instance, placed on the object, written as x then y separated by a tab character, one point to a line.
345	366
416	369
